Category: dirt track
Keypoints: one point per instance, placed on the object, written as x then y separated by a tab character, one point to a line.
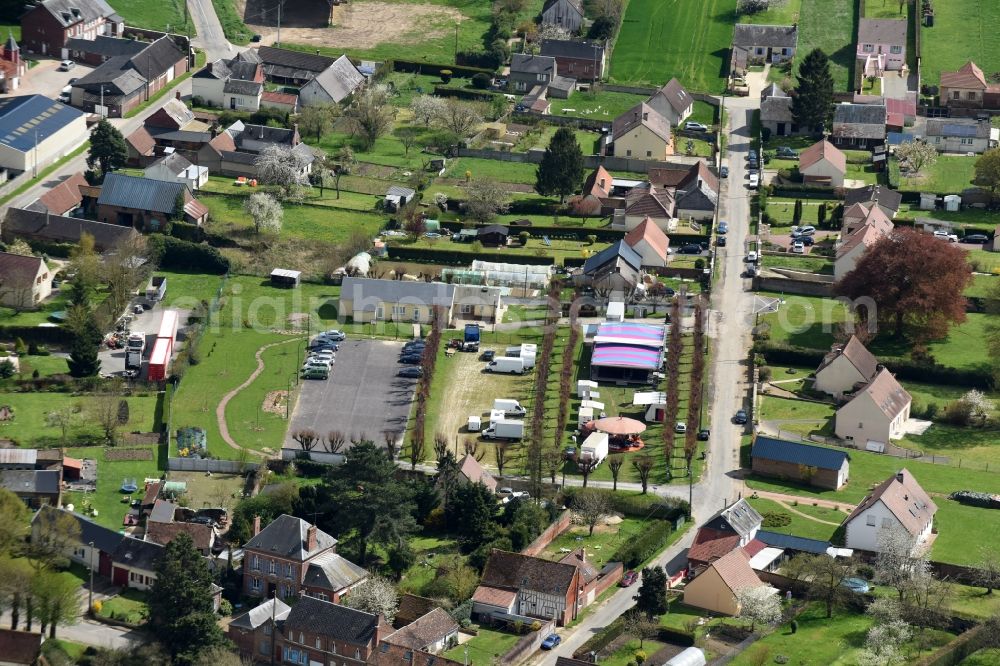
356	25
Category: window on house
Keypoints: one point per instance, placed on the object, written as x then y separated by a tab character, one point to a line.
868	48
971	94
649	153
398	310
966	142
628	153
870	520
272	566
288	570
956	94
267	629
896	49
416	314
255	583
319	644
333	647
265	647
302	638
886	523
466	309
357	653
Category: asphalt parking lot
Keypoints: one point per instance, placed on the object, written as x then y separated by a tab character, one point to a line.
363	395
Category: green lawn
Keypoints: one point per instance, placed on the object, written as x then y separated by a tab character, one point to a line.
507	172
799	262
955	522
601	105
57	302
625	655
485	648
107	499
805	321
536	247
954	39
970	218
232	22
29	426
314	196
600	546
72	651
777	409
128	605
829	25
155	15
184	288
984	657
785	13
949	175
982	286
798	526
690	40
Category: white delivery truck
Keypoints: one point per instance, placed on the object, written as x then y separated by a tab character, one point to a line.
528	358
506	364
595	447
505	429
510	407
497	415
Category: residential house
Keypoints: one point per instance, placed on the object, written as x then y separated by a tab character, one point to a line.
888	200
175	168
875	414
49	24
823	164
229	84
967	88
367	300
283	101
898	503
859	125
528	71
333	85
470	471
290	557
672	102
253	632
319	632
146	204
63	199
31	225
615	269
715	589
97	51
172	116
649	241
493	235
565	14
133	564
578	59
693	187
141	148
36	488
430	633
95	546
733	527
25	281
288	67
123	82
234	151
646	200
760	44
394	655
881	45
776	112
20	648
203	536
806	463
12	67
959	135
35	131
642	133
521	585
846	366
411	607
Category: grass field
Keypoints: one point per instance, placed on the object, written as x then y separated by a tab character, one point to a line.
955	39
155	15
955	522
107	499
949	175
600	105
785	13
600	546
984	657
506	172
30	427
128	605
485	648
690	40
799	526
829	25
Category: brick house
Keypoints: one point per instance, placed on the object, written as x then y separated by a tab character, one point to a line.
253	632
292	557
516	584
814	465
968	88
146	204
320	632
731	528
46	27
581	60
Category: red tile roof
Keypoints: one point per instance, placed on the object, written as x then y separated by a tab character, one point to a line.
19	647
65	196
280	98
735	571
754	547
967	76
141	141
593	184
822	150
710	544
652	234
494	596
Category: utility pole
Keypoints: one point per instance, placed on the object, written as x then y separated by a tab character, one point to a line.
279	24
90	592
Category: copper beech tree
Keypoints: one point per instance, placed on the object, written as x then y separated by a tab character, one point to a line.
910	282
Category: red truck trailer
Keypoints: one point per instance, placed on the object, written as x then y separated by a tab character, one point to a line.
168	326
159	360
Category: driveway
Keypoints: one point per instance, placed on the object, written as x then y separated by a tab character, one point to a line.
363	395
113	360
46	79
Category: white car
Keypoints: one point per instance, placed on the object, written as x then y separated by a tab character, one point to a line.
317	363
798	247
680	427
334	334
751	257
754	181
944	235
696	127
323	355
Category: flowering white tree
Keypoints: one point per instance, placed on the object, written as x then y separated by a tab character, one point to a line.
375	595
284	168
896	565
979	406
916	154
758	604
427	108
265	211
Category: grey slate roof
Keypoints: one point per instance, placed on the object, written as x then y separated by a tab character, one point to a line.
139	193
860	114
515	571
740	518
239	87
238	157
156	58
332	620
526	63
291	64
575	4
359	290
130	72
21	222
104	539
790	542
265	134
675	96
641	114
619	249
340	79
137	554
163	512
68	12
109	47
175	162
21	116
400	191
797	453
882	31
187	136
883	196
333	572
958	127
782	36
286	537
564	48
259	615
30	481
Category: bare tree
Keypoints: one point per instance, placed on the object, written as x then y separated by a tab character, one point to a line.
640	625
283	168
502	451
377	596
591	507
265	211
440	445
65	418
371	115
335	441
824	576
124	268
586	467
391	440
407	136
460	118
307	438
416	451
104	411
615	464
759	605
643	465
487	198
471	447
317	119
988	569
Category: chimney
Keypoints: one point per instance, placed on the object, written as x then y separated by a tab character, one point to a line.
177	95
645	116
256	525
899	476
311	538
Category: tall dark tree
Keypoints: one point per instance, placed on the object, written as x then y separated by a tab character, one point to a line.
471	514
107	148
812	105
652	596
561	169
83	350
180	603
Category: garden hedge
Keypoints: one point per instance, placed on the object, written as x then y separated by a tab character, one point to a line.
601	639
462	93
54	335
459	71
652	540
974	498
174	253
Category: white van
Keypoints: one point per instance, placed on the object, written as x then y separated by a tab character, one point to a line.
509	407
506	364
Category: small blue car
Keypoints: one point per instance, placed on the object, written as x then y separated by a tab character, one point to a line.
551	641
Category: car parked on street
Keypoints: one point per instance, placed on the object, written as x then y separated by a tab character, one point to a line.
628	579
975	238
720	241
754	181
703	435
411	359
751	257
414	372
551	641
316	372
723	227
741	417
680	427
944	235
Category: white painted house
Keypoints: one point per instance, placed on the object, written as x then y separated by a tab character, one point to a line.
897	503
876	414
846	366
175	167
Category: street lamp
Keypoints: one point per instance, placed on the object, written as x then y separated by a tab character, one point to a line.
34	166
103	111
90	594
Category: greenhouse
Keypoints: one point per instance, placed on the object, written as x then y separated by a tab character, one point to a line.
499	275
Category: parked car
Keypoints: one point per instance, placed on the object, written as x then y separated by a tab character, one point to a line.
66	65
415	346
808	241
786	153
751	257
316	373
857	585
754	181
741	417
628	579
488	355
703	435
335	335
975	238
695	127
432	234
692	248
720	241
411	359
416	372
680	427
323	356
551	641
316	363
944	235
724	172
723	227
806	230
256	37
798	247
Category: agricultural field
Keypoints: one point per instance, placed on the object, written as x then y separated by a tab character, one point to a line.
954	39
690	38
